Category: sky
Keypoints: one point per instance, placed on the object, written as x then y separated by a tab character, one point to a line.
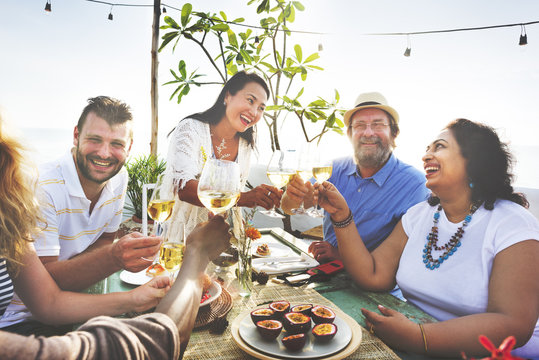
52	62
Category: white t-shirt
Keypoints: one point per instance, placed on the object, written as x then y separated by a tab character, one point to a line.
189	143
70	226
459	286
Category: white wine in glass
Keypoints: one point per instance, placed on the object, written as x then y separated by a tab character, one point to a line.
219	185
171	255
322	170
304	171
281	169
218	201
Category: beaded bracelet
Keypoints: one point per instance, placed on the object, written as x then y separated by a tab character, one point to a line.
424	337
341	224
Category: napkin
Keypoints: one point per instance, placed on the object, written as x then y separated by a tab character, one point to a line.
279	265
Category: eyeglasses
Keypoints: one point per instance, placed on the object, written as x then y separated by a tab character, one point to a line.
375	126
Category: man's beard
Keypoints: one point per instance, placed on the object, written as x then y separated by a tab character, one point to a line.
84	168
371	159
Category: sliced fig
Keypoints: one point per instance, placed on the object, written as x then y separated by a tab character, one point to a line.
305	309
322	314
262	314
280	308
269	329
324	331
294	342
295	322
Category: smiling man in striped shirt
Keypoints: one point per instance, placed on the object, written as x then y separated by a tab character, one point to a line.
83	198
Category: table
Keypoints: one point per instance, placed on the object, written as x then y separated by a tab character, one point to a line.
340	291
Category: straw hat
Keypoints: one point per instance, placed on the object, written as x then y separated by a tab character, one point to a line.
371	100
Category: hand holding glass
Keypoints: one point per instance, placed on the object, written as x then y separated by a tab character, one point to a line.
281	168
322	169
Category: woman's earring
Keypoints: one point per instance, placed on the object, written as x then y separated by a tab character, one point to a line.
224	103
471	185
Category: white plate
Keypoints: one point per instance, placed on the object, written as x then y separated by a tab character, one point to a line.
138	278
312	349
276	250
214	291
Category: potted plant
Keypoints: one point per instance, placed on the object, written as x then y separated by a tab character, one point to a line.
141	170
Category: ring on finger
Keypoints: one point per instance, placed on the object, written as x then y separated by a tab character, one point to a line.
371	329
269	193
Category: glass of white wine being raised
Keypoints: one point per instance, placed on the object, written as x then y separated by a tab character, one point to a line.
160	209
322	170
218	190
281	169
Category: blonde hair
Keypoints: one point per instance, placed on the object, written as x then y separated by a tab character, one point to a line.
19	208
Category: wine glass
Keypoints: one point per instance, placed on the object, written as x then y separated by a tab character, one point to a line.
304	170
281	168
322	169
160	209
219	185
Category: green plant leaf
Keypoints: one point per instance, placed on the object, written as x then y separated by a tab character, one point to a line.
312	57
298	5
171	22
264	6
181	69
337	96
232	40
186	11
168	37
223	15
300	92
298	51
291	14
238	20
220	27
331	119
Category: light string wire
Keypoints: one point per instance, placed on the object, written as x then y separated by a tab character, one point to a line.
319	33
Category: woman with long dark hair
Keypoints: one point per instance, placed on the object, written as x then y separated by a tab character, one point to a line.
467	256
225	131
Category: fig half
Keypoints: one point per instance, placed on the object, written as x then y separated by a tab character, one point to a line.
294	342
296	323
305	309
261	314
280	308
324	332
321	314
269	329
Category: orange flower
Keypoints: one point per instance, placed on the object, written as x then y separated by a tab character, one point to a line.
252	233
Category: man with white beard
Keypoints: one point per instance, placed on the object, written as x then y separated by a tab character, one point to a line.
378	187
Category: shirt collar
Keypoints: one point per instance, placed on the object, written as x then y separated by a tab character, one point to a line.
381	175
71	178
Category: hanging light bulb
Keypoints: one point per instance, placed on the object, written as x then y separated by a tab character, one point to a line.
320	47
257	39
523	36
48	6
408	50
164	10
110	14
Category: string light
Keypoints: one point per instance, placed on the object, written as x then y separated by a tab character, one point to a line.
408	50
110	13
48	6
523	36
320	47
164	10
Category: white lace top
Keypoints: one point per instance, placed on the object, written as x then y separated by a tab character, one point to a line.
189	140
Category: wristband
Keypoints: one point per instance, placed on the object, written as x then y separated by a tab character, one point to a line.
344	223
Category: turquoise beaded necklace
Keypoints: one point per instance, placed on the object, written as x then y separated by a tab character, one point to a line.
450	247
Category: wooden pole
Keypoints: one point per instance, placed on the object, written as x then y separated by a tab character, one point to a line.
155	63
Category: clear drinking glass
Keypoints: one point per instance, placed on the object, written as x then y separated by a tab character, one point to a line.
322	169
281	168
305	170
219	185
160	209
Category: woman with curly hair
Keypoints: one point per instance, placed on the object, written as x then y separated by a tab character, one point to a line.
467	256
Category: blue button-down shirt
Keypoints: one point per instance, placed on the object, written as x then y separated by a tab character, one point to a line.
377	202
